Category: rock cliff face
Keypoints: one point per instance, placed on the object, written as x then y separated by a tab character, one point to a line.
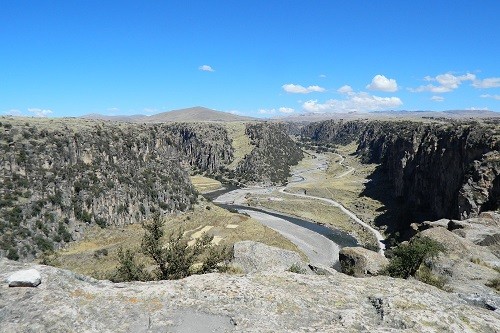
60	176
206	147
436	170
332	131
270	160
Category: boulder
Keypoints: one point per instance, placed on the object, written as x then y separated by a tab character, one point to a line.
25	278
253	257
359	262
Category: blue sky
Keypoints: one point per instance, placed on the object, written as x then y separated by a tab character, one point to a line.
257	58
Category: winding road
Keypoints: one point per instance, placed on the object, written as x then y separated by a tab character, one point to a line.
334	203
318	248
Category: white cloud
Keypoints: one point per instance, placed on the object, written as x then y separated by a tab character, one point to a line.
39	112
267	111
437	98
112	111
474	108
298	89
497	97
345	89
492	82
355	102
13	112
273	111
150	111
206	68
286	110
381	83
322	76
447	82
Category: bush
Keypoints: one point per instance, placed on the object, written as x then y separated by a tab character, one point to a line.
295	268
495	283
174	260
128	269
44	244
12	254
407	258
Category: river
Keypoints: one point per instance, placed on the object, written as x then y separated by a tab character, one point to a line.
319	243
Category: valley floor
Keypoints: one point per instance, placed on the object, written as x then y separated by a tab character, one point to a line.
323	188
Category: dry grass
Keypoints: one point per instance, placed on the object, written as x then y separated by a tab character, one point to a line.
314	210
240	142
205	184
81	256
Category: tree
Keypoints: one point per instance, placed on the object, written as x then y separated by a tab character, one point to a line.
174	259
407	258
128	268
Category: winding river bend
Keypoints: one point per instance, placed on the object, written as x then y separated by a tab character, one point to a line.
321	244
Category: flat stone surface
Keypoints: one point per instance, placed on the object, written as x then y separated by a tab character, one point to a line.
25	278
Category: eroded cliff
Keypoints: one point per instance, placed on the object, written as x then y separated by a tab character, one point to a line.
60	176
273	154
435	169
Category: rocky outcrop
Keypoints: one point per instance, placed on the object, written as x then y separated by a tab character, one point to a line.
252	257
483	231
360	262
60	176
272	302
470	263
334	131
273	154
206	147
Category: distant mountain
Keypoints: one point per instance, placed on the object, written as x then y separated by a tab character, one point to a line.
454	114
194	114
128	119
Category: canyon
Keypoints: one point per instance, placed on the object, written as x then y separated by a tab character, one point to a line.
380	181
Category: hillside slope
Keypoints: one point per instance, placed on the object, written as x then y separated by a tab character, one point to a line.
60	176
190	115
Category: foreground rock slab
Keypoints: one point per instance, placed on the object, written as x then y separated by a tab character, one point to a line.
25	278
264	302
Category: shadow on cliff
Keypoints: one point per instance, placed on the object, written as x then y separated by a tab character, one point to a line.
396	217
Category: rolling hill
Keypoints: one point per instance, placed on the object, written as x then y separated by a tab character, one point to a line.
194	114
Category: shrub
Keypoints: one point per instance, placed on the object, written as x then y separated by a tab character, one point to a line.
295	268
407	258
101	253
495	283
63	232
128	268
100	222
174	259
12	254
44	244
